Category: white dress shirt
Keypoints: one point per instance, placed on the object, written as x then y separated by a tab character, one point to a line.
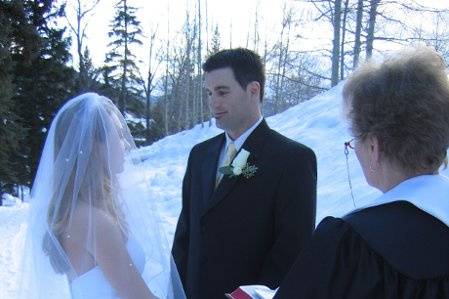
238	143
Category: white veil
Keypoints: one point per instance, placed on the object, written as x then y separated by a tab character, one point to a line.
88	204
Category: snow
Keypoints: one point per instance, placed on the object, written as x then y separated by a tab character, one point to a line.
317	123
135	120
12	233
9	200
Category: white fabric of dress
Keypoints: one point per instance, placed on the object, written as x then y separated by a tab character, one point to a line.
94	285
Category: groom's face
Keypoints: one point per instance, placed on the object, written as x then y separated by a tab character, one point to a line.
233	107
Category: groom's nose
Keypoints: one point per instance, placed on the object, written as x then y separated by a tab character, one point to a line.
214	102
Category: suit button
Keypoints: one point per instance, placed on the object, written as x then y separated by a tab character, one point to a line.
203	229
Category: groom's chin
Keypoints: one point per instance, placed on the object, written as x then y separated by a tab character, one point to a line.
219	124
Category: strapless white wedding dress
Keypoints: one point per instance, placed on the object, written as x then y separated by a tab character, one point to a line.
94	285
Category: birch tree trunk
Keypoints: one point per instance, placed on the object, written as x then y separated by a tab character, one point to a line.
79	30
199	69
358	31
371	27
343	40
167	62
149	89
123	93
336	43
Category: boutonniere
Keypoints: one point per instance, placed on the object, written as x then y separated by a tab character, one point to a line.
239	166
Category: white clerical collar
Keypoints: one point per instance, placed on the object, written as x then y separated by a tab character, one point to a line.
241	140
429	193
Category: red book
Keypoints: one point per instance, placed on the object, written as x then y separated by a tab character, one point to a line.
252	292
238	294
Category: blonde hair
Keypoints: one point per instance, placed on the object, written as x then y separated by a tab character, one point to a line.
94	185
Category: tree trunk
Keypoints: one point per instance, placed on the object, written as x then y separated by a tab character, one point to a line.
358	30
230	35
148	107
187	122
79	30
123	93
371	26
149	90
343	38
188	64
166	104
200	86
166	75
336	43
247	37
288	22
256	30
207	27
280	63
265	53
79	48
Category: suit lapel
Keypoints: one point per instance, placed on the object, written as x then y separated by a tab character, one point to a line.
209	168
254	144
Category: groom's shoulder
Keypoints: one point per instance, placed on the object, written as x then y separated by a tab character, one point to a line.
204	145
285	144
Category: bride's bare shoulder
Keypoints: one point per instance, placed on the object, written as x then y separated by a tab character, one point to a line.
88	218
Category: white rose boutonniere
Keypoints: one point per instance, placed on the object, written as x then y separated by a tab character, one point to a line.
239	166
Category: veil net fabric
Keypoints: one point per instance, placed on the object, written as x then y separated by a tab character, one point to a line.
88	202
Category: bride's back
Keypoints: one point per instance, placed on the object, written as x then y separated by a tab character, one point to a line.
89	227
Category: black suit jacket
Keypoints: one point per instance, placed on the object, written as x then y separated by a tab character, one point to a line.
247	230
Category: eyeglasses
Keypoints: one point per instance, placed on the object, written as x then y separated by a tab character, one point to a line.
349	145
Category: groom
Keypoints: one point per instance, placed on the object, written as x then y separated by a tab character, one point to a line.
242	223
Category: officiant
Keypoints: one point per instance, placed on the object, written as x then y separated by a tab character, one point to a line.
397	247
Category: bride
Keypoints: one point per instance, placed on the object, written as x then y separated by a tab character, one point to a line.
91	234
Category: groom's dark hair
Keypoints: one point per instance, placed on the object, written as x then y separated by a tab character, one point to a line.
245	64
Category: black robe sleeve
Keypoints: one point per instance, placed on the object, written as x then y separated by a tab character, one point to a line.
320	271
339	263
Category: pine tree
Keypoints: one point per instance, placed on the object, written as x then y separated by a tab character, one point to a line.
83	10
41	77
91	73
120	62
10	129
215	41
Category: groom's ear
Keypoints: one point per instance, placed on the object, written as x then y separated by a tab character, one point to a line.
254	89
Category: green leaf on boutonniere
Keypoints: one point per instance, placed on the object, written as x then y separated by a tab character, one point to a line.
226	170
249	171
